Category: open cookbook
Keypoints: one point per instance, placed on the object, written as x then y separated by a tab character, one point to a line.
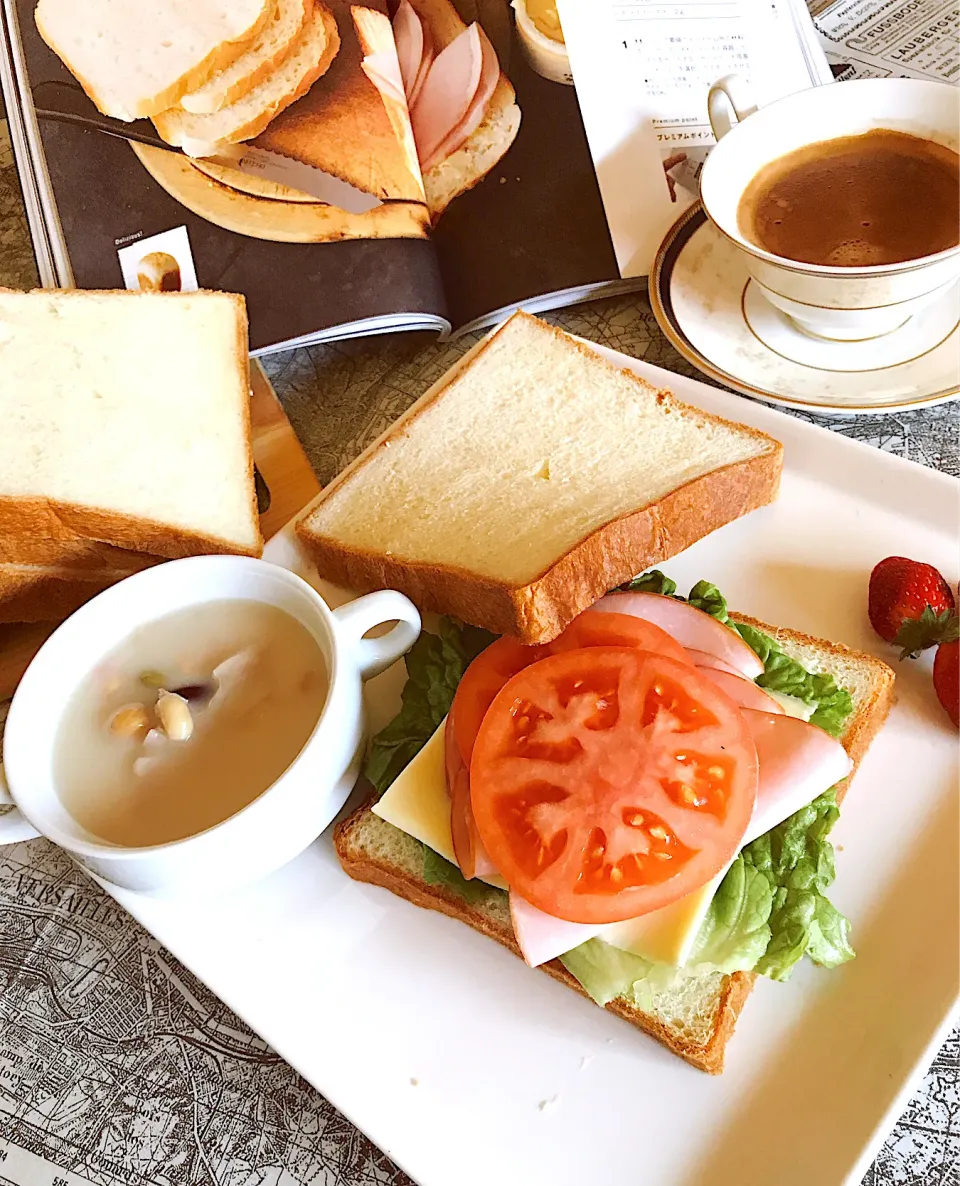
354	169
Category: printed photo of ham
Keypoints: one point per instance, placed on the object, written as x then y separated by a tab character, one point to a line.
463	109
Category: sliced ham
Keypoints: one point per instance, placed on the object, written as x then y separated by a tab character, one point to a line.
383	70
743	692
541	936
798	762
460	133
691	627
448	91
702	659
408	35
426	61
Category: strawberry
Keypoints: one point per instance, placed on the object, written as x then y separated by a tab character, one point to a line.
946	678
910	604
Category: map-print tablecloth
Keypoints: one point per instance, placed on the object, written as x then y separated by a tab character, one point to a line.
117	1066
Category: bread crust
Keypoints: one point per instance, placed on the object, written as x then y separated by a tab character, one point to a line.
537	612
38	594
709	1056
170	123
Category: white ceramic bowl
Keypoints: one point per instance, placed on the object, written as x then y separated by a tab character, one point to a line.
290	814
840	304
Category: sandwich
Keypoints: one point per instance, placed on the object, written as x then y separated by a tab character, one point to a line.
132	441
462	106
630	789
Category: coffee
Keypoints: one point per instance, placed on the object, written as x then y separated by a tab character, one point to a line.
882	197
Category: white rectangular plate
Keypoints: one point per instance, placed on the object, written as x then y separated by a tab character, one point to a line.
468	1068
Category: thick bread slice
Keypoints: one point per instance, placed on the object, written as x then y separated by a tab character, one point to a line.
204	135
697	1019
137	60
266	51
45	594
127	421
530	480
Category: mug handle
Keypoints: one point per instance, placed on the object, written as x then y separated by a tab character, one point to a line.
354	619
729	103
13	827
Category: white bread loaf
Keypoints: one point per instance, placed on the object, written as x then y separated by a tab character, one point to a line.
267	50
311	55
135	60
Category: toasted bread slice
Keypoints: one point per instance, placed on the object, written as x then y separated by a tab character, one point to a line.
530	480
132	422
204	135
696	1019
84	554
137	60
266	51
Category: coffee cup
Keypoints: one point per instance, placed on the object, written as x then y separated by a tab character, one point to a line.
291	813
832	302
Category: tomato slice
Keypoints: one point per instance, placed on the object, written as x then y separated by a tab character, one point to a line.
491	669
608	782
467	845
618	630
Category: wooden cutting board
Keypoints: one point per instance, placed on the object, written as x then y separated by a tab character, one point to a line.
285	472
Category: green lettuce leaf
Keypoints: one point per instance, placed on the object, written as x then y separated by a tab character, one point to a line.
439	871
651	582
735	933
606	972
435	665
833	704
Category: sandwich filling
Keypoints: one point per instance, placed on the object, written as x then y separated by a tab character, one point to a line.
654	789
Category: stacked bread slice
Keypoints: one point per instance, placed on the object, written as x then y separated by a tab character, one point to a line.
209	73
126	440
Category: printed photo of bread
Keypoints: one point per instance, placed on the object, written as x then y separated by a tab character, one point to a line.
158	271
463	109
295	83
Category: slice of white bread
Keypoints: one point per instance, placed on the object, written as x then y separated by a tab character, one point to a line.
696	1019
266	51
127	420
204	135
135	60
528	481
488	143
36	593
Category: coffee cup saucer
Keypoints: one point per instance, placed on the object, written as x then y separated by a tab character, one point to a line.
718	319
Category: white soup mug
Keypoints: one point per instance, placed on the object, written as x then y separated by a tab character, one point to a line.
287	816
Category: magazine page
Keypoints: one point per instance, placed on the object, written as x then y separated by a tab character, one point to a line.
642	74
332	240
517	211
890	38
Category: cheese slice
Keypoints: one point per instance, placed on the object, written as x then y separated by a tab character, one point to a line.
417	802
